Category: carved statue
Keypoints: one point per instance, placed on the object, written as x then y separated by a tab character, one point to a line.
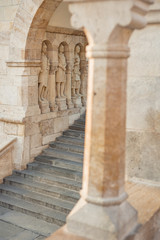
76	75
61	73
43	76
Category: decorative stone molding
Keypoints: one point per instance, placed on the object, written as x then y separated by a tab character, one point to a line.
25	63
154	13
67	31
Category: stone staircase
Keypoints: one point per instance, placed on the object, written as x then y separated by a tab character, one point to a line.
48	189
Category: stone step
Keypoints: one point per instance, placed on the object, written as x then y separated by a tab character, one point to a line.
80	122
37	198
30	223
40	212
67	147
49	190
62	163
71	140
56	171
74	133
78	157
77	127
49	179
83	116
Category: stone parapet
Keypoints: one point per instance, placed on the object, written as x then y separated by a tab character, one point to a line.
7	148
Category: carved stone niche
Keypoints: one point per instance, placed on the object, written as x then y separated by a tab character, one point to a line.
43	79
76	77
61	77
71	40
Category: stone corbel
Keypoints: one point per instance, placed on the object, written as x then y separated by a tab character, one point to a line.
154	13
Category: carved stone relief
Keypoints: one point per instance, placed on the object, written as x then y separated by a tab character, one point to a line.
61	73
63	76
76	75
43	80
76	78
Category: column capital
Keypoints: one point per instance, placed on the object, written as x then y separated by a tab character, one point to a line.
107	16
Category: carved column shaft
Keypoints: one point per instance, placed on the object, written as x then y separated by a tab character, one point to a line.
84	78
52	87
68	84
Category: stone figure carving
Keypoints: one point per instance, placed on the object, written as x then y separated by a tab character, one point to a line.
76	75
61	73
44	75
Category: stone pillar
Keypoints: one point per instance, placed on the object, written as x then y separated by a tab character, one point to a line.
52	89
103	211
68	85
24	75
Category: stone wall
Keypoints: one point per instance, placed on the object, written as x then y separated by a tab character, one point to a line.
58	112
34	85
143	110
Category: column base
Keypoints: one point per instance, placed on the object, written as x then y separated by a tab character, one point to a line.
77	101
61	102
70	105
63	234
114	222
53	107
83	101
44	106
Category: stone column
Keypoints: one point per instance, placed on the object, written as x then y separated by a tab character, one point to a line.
68	85
52	89
103	211
84	79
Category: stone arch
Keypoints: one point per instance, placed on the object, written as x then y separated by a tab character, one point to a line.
66	49
29	29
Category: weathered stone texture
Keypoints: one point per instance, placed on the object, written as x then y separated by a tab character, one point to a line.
143	105
7	148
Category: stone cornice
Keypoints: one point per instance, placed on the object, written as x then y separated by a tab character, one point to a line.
153	16
68	31
32	63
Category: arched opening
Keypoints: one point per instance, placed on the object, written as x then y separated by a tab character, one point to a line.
25	54
36	53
